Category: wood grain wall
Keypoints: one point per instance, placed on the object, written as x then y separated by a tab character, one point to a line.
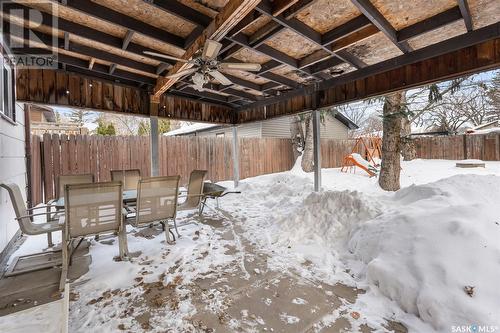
59	88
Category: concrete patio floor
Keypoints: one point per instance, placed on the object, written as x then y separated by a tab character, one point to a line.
242	296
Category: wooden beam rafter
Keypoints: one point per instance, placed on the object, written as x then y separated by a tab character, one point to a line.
372	13
95	10
182	11
232	13
465	11
449	16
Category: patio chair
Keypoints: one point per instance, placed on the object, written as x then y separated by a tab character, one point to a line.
72	179
91	210
24	216
156	203
194	192
129	178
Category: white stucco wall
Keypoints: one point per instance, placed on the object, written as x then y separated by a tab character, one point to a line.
12	170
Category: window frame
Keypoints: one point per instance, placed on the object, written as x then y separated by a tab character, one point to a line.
9	79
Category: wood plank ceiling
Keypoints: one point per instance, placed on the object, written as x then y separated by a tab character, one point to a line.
299	43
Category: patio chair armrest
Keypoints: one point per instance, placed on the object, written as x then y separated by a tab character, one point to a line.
36	214
39	207
192	195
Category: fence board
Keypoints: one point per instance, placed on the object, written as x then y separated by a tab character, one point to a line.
58	155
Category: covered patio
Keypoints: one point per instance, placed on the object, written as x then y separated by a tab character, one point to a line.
257	60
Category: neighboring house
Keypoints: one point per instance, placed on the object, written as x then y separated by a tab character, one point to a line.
12	150
333	127
43	120
490	127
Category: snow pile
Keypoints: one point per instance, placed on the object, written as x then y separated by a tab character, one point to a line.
432	249
330	215
438	255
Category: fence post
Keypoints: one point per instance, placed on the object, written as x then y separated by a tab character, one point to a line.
153	119
236	157
155	167
317	150
465	147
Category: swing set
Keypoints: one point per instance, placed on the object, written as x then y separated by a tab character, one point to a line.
369	162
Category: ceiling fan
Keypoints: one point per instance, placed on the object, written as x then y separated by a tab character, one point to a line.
206	66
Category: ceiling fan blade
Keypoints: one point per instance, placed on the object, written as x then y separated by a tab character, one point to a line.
243	66
161	55
211	49
220	77
182	73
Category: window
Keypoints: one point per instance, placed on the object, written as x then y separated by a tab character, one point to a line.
7	100
219	135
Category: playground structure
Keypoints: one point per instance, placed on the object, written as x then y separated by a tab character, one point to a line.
370	147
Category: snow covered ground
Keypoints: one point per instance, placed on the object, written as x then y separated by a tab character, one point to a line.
428	255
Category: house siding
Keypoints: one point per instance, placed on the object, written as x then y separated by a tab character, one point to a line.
277	128
332	128
12	170
253	130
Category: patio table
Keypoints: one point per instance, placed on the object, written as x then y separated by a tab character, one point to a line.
128	197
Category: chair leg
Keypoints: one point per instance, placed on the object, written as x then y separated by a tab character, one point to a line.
122	243
166	228
64	271
49	239
176	231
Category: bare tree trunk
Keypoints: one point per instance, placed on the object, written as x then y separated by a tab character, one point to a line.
297	136
391	145
307	155
408	149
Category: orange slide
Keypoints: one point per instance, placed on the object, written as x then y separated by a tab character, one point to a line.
370	146
351	161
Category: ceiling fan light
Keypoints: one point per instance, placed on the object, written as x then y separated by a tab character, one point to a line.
199	81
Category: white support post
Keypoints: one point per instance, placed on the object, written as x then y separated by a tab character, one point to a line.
155	164
317	149
236	157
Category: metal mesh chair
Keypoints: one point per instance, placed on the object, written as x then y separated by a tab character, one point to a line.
73	179
24	216
194	192
156	202
92	209
129	178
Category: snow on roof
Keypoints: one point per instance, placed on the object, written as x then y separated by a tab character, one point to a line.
494	122
485	131
187	129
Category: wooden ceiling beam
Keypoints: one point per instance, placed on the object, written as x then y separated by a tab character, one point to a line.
182	11
298	6
232	13
127	39
302	29
95	54
449	16
465	11
100	71
90	34
95	10
345	29
372	13
471	39
279	6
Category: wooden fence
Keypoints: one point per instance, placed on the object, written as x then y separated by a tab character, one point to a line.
483	147
54	155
